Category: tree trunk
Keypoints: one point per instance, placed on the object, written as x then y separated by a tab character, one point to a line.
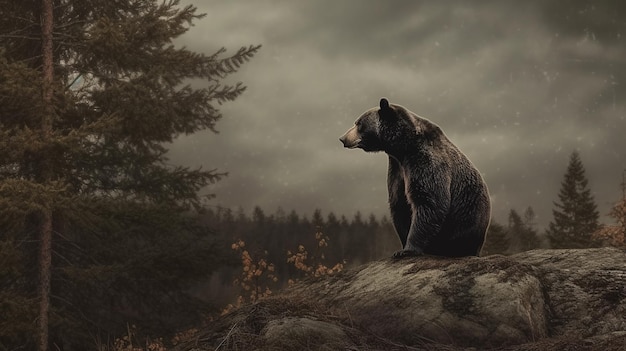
45	269
45	253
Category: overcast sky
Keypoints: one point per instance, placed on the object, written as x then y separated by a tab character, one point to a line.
516	85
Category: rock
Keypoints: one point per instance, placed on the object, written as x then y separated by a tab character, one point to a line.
536	300
586	289
487	302
302	333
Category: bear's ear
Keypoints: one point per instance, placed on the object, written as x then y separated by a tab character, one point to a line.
384	104
386	111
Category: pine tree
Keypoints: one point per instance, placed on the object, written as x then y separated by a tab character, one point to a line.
496	241
529	237
521	231
575	216
90	93
514	229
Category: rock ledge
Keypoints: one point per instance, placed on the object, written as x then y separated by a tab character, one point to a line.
536	300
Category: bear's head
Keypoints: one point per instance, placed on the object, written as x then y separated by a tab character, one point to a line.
382	129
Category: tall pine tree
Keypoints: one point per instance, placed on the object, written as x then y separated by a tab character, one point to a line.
576	215
90	93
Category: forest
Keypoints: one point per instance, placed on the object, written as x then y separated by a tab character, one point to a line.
162	282
105	242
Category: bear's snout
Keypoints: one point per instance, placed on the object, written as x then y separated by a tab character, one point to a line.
351	139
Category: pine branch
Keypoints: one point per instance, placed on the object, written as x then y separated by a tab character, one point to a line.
226	92
225	66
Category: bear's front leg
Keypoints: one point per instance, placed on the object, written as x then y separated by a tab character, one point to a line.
398	204
429	207
415	244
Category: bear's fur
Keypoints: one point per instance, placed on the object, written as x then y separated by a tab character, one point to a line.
438	199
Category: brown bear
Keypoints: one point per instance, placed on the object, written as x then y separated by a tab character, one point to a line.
438	199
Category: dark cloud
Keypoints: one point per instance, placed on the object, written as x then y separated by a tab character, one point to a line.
517	86
602	20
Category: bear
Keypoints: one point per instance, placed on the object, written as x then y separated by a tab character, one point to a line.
438	200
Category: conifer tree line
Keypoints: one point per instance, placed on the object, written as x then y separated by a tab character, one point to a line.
353	240
575	223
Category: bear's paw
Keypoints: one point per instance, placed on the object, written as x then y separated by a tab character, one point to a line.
407	253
